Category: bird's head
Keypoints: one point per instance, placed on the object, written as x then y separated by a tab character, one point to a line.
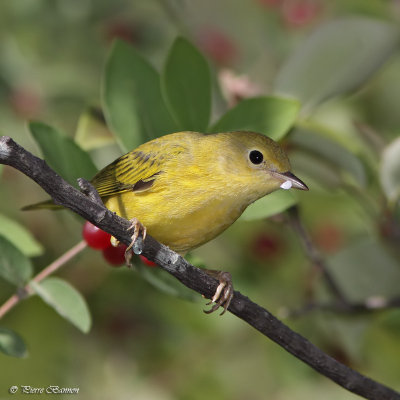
259	161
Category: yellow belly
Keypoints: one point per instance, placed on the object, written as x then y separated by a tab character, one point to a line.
178	222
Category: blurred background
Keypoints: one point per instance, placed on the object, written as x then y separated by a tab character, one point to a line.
145	344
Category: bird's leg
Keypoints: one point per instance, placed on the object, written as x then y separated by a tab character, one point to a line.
137	229
224	293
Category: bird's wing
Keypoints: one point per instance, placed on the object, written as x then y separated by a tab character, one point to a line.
135	171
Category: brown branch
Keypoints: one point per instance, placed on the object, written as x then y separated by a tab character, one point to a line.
62	193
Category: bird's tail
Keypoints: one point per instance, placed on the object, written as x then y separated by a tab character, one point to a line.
43	205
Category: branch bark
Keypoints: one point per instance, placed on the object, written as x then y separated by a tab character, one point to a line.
194	278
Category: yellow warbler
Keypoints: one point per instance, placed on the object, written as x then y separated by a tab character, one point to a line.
187	187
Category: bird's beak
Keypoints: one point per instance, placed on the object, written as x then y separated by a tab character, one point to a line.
289	180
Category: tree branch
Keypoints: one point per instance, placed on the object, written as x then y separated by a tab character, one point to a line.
64	194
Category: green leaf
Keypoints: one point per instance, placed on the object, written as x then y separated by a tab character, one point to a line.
366	269
186	84
20	237
62	153
164	282
132	100
15	267
92	131
66	300
390	171
12	344
331	152
274	203
337	58
272	116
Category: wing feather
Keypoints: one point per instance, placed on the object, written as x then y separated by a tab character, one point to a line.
134	171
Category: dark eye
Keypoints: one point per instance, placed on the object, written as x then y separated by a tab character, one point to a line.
256	157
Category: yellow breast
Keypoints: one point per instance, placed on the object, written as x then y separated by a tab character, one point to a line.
180	219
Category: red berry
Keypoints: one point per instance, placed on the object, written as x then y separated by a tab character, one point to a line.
147	262
115	255
95	237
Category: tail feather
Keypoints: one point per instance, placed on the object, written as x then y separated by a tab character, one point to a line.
43	205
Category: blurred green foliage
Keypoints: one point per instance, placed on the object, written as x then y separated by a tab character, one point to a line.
144	342
60	295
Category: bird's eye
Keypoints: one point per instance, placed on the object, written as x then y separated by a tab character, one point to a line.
256	157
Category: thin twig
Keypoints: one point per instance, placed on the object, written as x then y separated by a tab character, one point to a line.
370	305
194	278
172	10
340	304
370	136
9	304
314	255
57	264
50	269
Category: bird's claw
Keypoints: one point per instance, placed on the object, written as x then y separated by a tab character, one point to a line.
138	228
224	293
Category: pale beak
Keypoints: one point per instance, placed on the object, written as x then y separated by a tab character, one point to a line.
289	180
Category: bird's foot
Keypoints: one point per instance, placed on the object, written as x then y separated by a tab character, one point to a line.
224	293
135	246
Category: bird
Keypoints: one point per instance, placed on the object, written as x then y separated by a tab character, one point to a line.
186	188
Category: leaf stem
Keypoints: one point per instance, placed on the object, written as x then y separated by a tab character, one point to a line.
59	262
50	269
